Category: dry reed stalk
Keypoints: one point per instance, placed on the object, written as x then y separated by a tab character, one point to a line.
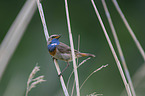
47	36
141	50
73	72
103	66
72	50
112	50
119	48
15	33
77	67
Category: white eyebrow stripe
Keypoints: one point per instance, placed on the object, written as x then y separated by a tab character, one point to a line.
54	44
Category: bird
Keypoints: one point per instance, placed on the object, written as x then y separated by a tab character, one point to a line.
61	51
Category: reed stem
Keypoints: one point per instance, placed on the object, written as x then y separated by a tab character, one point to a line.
47	36
72	50
119	48
112	50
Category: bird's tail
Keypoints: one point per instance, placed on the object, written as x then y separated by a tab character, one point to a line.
85	55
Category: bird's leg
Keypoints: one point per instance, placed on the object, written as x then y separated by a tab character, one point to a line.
64	69
53	58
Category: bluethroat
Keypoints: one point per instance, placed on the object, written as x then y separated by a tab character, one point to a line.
61	51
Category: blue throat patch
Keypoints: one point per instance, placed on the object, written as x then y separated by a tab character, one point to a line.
51	47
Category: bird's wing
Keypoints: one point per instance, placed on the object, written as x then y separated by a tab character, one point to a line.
63	48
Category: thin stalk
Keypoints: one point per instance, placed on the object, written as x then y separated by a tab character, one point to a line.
103	66
43	19
129	29
15	33
73	88
77	67
72	50
119	48
61	78
78	48
112	50
73	72
138	78
47	36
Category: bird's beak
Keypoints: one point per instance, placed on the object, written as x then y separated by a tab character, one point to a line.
58	36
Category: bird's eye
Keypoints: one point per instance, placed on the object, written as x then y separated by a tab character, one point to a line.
53	36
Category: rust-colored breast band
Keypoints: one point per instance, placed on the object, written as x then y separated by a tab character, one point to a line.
53	52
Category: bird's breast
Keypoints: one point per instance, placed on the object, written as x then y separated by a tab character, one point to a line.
52	52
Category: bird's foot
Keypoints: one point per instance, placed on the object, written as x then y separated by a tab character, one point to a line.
60	75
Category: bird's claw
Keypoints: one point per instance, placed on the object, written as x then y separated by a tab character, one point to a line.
60	75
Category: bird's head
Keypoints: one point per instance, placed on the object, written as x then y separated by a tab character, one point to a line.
53	37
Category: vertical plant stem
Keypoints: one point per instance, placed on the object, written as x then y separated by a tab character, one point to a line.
77	67
119	48
43	19
73	88
112	50
72	50
129	29
47	36
15	33
78	47
61	78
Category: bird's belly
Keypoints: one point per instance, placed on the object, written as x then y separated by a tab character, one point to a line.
63	56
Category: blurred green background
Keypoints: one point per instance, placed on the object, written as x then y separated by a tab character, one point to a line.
32	48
